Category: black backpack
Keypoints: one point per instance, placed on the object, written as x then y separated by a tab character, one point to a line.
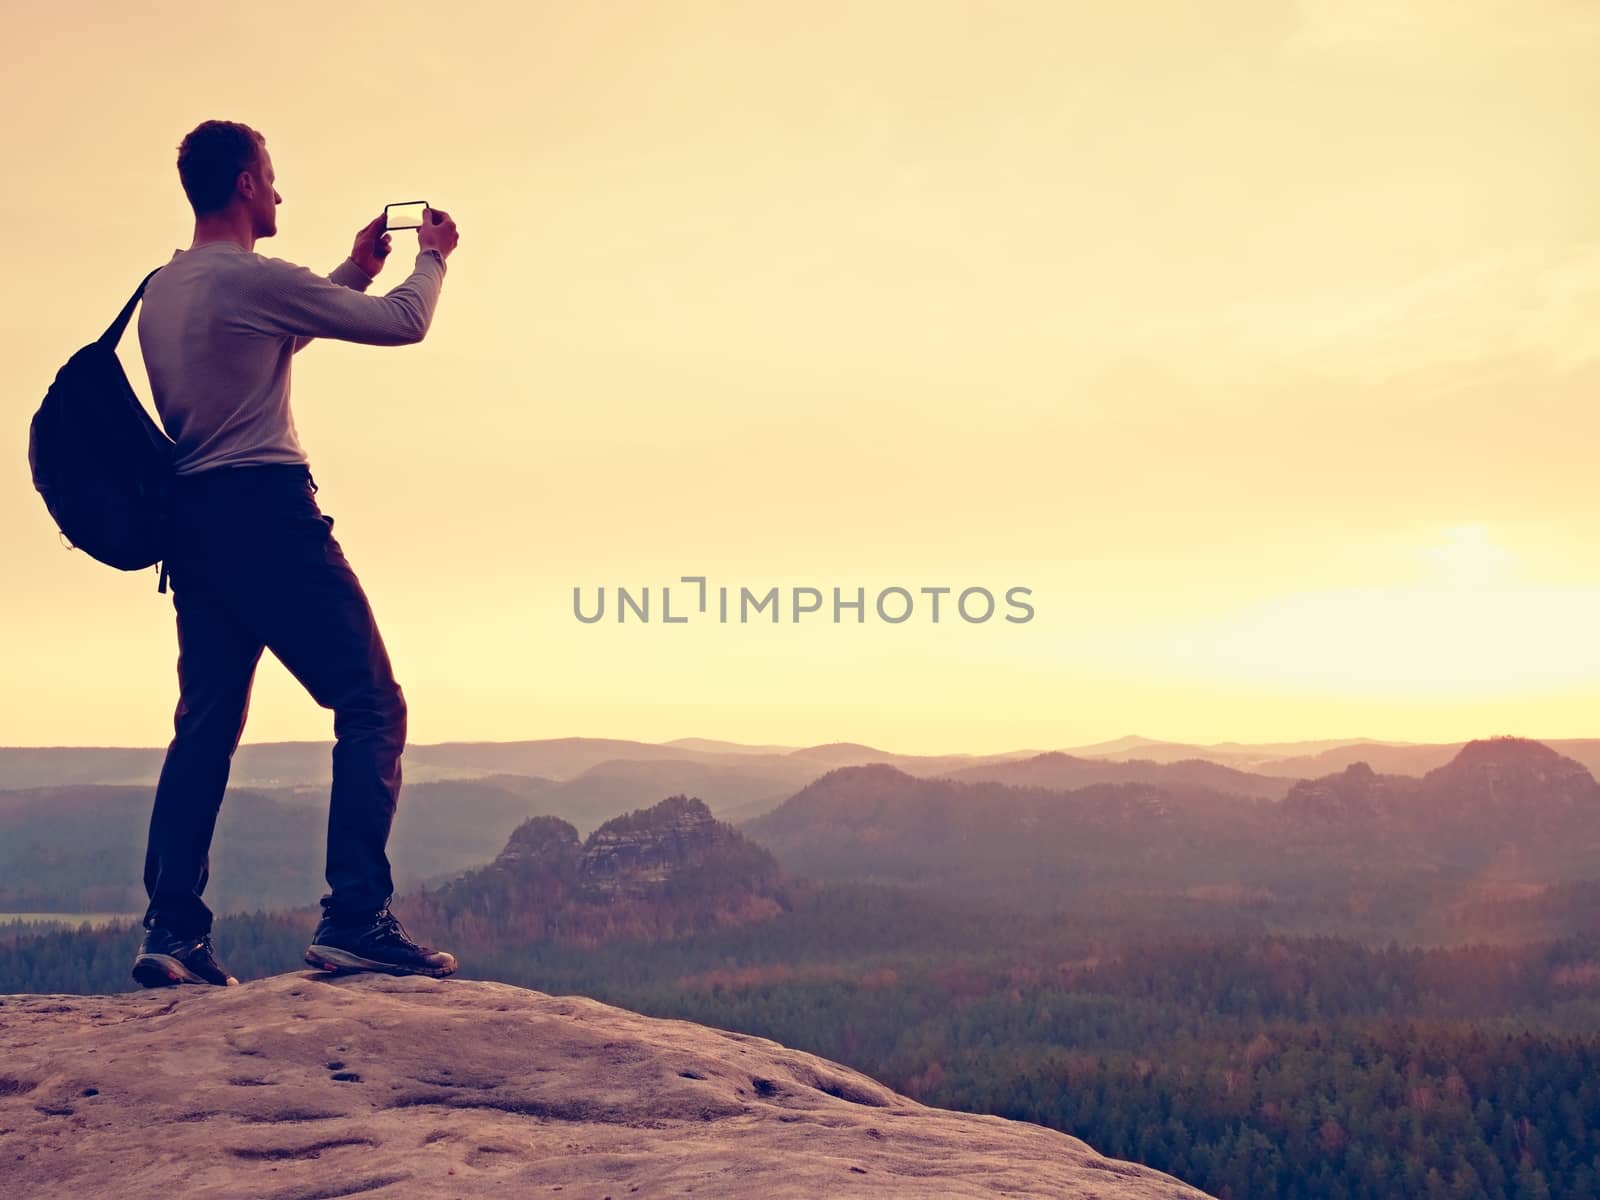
103	466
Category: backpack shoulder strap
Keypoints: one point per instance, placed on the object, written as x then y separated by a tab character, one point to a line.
113	333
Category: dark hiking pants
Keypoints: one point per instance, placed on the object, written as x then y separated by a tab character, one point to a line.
254	565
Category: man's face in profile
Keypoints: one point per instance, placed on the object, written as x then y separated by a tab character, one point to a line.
264	205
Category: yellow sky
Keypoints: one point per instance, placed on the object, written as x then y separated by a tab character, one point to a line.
1261	340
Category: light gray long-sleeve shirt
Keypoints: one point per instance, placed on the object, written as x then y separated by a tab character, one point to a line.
219	324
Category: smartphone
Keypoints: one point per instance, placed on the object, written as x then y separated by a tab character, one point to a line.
403	216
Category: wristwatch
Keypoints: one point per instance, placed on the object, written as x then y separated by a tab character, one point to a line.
435	252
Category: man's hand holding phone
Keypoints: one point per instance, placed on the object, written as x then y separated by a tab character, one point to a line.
371	246
437	232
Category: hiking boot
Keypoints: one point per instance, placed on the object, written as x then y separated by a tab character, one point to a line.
376	944
166	958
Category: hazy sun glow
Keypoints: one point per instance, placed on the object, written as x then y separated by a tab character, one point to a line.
1468	624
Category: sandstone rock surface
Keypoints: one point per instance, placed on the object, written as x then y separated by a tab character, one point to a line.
305	1086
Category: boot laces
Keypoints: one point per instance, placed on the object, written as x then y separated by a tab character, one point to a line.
389	928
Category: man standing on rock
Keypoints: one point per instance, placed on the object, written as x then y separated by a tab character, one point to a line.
253	562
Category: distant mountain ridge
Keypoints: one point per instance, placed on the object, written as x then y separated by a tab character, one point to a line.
1055	769
1502	808
1512	788
877	822
1177	823
561	760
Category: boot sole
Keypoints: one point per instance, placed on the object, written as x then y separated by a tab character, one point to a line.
331	958
162	970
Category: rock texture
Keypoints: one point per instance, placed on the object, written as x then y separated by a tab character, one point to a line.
306	1086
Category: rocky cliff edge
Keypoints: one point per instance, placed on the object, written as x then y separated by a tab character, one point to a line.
306	1086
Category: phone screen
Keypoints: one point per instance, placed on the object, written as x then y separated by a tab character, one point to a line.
404	216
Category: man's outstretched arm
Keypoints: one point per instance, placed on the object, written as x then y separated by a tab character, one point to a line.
347	274
284	299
